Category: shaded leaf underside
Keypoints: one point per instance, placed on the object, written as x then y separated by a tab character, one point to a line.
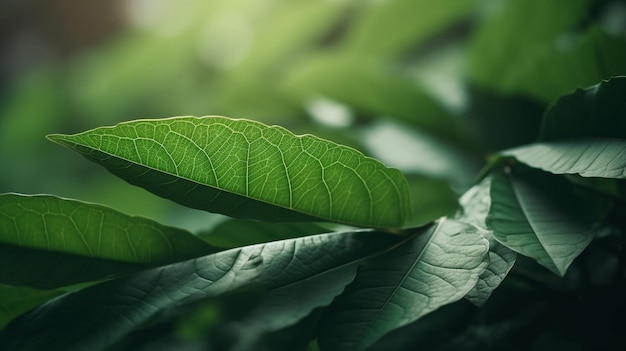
600	157
538	217
317	267
434	268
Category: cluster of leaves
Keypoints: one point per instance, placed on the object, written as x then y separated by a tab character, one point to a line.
543	223
362	284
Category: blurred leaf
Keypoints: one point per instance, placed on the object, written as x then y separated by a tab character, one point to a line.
238	232
16	300
389	28
599	157
537	215
596	111
317	268
370	88
594	56
48	242
430	199
246	169
505	42
434	268
475	204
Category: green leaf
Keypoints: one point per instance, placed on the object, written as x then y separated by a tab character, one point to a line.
246	169
365	36
15	300
475	204
433	268
596	111
48	242
537	215
240	232
600	157
505	42
591	58
310	271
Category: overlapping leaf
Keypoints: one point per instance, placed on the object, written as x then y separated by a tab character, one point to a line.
247	169
47	242
434	268
16	300
599	157
537	215
475	204
594	112
310	270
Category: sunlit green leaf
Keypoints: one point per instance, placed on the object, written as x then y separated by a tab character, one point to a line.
600	157
15	300
475	204
593	112
47	242
436	267
537	215
246	169
306	272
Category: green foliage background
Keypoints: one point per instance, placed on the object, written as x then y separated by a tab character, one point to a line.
431	88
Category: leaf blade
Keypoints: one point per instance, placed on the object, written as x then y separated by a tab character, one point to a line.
74	322
538	216
598	157
432	269
247	169
81	242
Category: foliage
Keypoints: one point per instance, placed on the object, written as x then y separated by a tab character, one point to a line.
446	240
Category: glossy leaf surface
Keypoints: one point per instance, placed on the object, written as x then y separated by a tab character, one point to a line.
246	169
436	267
311	271
47	242
537	215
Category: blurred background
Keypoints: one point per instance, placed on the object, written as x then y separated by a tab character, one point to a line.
428	87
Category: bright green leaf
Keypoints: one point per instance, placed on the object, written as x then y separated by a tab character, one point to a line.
537	215
48	242
475	204
246	169
596	111
432	269
600	157
307	272
15	300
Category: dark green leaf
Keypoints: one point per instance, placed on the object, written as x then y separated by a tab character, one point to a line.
599	157
47	242
591	58
15	300
240	232
537	215
435	267
307	272
505	42
247	169
592	112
